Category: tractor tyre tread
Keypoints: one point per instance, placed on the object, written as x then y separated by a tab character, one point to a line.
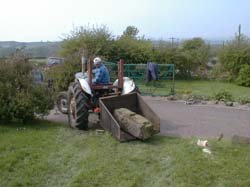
82	107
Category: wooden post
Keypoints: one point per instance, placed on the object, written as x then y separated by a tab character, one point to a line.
239	34
90	64
120	75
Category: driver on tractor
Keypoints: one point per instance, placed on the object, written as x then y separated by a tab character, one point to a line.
101	74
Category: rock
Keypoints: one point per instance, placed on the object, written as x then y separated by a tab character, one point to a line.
135	124
202	143
229	103
240	140
190	102
203	102
220	137
171	98
237	104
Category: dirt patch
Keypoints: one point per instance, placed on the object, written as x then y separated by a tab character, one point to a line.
57	116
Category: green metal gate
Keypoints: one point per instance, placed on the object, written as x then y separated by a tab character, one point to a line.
138	73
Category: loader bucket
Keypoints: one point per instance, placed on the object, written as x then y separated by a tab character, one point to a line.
133	102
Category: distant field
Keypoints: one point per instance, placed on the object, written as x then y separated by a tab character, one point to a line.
49	154
202	88
38	61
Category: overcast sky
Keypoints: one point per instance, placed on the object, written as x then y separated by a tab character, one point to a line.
36	20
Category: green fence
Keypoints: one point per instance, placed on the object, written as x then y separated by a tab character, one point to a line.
138	72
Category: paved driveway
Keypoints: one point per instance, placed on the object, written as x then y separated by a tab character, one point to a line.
179	119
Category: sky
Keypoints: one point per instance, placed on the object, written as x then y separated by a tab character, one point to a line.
51	20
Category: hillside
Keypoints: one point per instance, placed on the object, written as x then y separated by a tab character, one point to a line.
34	49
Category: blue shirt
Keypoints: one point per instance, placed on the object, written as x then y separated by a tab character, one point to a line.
101	75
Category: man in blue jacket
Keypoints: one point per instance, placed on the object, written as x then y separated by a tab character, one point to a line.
101	74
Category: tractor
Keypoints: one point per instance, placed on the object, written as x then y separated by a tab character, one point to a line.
83	95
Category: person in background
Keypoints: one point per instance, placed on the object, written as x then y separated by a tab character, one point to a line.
101	74
152	71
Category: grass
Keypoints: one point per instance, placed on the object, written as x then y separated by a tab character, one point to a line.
38	61
198	87
48	154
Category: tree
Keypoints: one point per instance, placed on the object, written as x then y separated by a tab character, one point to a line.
196	53
234	55
87	41
130	31
131	50
243	78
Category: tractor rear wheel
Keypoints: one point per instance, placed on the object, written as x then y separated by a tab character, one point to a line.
77	107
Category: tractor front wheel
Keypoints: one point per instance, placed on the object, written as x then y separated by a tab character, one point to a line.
77	107
62	102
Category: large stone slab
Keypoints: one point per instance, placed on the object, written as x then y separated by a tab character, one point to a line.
135	124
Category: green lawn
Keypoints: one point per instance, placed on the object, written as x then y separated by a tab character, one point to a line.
201	88
39	61
48	154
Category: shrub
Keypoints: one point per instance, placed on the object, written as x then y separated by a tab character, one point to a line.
63	74
218	73
20	98
234	55
243	78
223	95
244	100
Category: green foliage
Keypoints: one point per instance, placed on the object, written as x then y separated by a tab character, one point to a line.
218	73
234	55
243	78
196	55
87	41
223	95
42	99
244	100
20	99
130	31
131	49
64	73
189	59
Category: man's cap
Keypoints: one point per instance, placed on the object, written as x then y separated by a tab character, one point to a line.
97	60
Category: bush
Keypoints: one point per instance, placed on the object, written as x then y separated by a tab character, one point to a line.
20	98
234	55
223	95
243	78
63	74
244	100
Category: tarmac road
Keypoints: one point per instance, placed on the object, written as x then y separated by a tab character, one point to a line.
179	119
